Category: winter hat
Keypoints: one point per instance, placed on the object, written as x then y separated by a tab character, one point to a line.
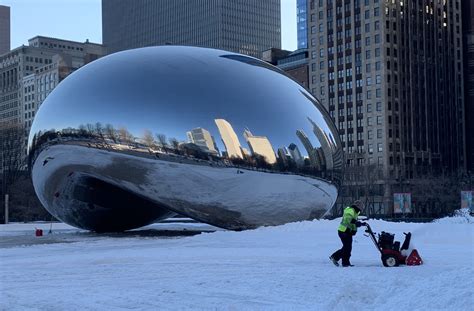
358	204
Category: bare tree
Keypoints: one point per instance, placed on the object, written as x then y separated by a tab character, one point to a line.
12	154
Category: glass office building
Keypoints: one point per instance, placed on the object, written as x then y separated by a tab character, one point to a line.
302	26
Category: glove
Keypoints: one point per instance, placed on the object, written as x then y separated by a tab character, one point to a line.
360	223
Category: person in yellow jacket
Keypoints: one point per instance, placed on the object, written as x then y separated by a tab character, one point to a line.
346	230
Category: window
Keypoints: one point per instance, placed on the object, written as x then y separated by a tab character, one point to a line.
369	121
367	67
379	147
370	134
369	107
377	38
377	52
378	79
378	106
379	133
379	120
369	94
370	148
369	81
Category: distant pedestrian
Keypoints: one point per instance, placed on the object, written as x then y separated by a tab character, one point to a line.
346	230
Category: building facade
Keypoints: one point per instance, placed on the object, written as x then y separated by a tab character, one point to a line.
390	75
19	68
4	29
468	54
247	27
29	73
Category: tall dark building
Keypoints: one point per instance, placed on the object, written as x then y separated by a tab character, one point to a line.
243	26
4	29
468	44
390	74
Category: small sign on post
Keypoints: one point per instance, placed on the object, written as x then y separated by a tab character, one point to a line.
467	200
6	208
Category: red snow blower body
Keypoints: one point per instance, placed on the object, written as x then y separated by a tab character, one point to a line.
391	251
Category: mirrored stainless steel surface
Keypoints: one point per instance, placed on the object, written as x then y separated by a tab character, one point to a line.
220	137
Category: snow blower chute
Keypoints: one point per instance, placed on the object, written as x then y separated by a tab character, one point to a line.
392	254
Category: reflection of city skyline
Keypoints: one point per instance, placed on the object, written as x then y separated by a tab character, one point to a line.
321	152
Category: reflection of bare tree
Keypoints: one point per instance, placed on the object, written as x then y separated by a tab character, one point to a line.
148	139
161	140
82	130
110	133
174	143
90	129
99	131
124	136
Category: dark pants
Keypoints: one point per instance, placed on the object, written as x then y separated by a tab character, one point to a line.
345	252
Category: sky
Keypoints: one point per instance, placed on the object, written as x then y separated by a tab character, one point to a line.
79	20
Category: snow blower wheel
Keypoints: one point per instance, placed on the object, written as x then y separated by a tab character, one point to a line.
389	261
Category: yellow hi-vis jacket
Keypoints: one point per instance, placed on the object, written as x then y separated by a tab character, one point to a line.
348	220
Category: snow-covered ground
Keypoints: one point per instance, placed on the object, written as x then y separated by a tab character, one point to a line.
277	268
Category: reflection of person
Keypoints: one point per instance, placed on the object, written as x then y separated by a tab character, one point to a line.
346	230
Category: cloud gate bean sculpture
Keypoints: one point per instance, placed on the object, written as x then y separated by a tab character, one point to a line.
146	134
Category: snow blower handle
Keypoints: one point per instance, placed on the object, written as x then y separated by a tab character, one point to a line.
372	236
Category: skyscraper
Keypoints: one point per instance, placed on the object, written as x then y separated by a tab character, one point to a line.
390	75
260	145
244	26
4	29
468	55
229	138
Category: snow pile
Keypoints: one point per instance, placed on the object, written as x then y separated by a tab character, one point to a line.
271	268
461	216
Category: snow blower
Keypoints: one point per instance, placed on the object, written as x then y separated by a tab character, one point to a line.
392	254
